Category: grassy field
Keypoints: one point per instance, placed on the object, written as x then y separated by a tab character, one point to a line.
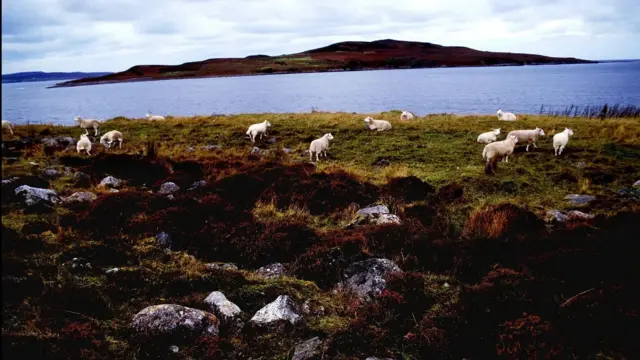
485	275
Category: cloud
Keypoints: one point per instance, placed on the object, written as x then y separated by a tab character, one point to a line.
113	35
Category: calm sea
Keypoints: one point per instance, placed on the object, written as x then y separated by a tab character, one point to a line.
520	89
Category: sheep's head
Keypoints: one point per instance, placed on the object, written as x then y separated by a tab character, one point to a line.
540	131
148	115
368	119
328	136
267	123
499	112
496	131
515	139
569	131
78	119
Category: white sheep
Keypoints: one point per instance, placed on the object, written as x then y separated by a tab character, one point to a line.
6	124
84	144
319	146
506	116
406	116
560	140
379	125
110	138
499	149
155	117
528	136
258	129
489	137
89	124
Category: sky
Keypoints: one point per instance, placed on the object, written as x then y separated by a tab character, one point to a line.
113	35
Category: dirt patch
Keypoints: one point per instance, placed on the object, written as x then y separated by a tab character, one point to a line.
409	188
135	169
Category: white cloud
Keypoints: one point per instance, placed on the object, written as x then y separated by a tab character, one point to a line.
113	35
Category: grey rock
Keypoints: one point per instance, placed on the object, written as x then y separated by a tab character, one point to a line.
374	210
368	278
174	349
191	149
282	309
377	215
307	350
163	240
10	180
197	184
51	173
581	164
636	184
254	151
32	195
556	215
272	140
387	219
110	182
580	199
168	188
561	217
287	150
271	270
211	147
80	197
171	319
632	193
575	214
226	266
225	310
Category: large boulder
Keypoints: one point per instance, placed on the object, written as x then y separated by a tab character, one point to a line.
368	278
228	312
174	320
80	197
376	215
282	309
307	350
33	196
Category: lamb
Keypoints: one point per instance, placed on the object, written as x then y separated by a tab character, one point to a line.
6	124
560	140
155	117
406	116
255	129
379	125
503	116
84	144
499	149
528	136
110	137
320	146
489	137
89	123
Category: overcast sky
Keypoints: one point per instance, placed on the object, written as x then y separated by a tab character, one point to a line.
113	35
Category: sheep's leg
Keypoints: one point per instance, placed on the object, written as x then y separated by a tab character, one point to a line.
95	129
86	131
88	153
325	153
555	151
120	143
506	159
561	149
261	135
310	155
317	159
527	147
11	131
534	144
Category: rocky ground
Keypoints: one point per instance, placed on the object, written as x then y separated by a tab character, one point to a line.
189	243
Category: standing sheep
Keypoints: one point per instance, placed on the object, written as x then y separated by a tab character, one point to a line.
489	137
503	116
87	124
320	146
6	124
528	136
84	144
379	125
110	137
496	150
560	140
258	129
154	117
406	116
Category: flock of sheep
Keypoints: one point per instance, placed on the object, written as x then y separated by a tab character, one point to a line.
492	152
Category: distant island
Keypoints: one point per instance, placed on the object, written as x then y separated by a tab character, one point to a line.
48	76
343	56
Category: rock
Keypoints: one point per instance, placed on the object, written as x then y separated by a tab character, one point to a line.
580	164
272	140
34	195
636	184
114	190
254	151
575	214
80	197
191	149
580	199
81	180
10	180
174	320
174	349
287	150
368	278
163	240
271	271
225	310
312	308
197	184
59	141
50	173
112	271
377	215
387	219
211	147
556	215
33	163
110	182
168	188
307	350
282	309
80	264
559	216
374	210
227	266
632	193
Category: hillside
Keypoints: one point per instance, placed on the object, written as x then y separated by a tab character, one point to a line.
344	56
48	76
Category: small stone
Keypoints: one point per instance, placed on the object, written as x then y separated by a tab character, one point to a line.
226	266
282	309
254	151
114	190
575	214
580	199
556	215
307	350
374	210
174	349
191	149
581	164
211	147
80	197
112	271
34	163
287	150
388	219
368	278
197	184
271	271
110	182
50	173
163	240
168	188
171	319
636	184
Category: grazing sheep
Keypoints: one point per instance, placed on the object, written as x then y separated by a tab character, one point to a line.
110	137
406	116
6	124
499	149
489	137
528	136
155	117
255	129
379	125
319	146
503	116
89	124
84	144
560	140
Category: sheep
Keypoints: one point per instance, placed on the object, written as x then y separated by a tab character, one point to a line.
489	137
499	149
560	140
406	116
255	129
320	146
6	124
528	136
155	117
89	123
379	125
503	116
110	137
84	144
